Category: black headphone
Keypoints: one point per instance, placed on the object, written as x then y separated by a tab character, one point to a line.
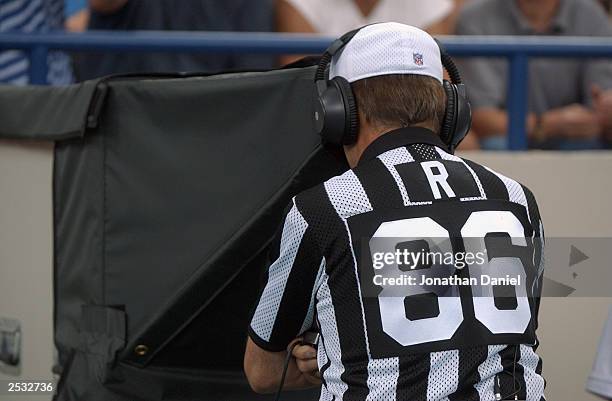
335	108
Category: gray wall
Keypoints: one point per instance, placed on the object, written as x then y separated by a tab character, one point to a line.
26	250
573	190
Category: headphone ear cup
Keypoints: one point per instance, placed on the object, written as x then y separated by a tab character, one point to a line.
463	119
449	124
329	113
351	124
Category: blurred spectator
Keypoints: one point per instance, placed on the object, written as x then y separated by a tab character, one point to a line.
173	15
28	16
569	100
77	15
335	17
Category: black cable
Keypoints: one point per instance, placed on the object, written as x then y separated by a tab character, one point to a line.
514	379
285	369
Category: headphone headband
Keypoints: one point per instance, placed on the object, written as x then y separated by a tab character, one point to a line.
331	51
449	64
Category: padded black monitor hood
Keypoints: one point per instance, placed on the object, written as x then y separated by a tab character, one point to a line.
167	194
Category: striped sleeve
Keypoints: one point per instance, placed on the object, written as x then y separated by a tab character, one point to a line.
538	230
539	260
286	305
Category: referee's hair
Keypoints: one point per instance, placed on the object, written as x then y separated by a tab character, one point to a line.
401	100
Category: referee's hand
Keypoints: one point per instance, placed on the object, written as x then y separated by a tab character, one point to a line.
306	361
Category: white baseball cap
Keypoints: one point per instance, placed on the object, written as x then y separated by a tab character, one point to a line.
388	48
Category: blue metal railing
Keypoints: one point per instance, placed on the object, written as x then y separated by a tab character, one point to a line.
517	50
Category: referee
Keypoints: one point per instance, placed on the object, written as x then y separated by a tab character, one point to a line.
408	192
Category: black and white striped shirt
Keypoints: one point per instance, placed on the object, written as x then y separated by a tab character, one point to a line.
417	347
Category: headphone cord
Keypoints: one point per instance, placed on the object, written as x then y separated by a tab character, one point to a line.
285	369
515	381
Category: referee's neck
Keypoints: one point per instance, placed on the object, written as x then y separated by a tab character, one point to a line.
368	133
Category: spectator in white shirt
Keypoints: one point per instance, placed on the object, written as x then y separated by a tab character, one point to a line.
336	17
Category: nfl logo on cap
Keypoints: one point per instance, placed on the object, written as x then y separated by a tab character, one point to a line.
418	58
387	48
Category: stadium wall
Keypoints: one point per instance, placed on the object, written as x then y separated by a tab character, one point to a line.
574	191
